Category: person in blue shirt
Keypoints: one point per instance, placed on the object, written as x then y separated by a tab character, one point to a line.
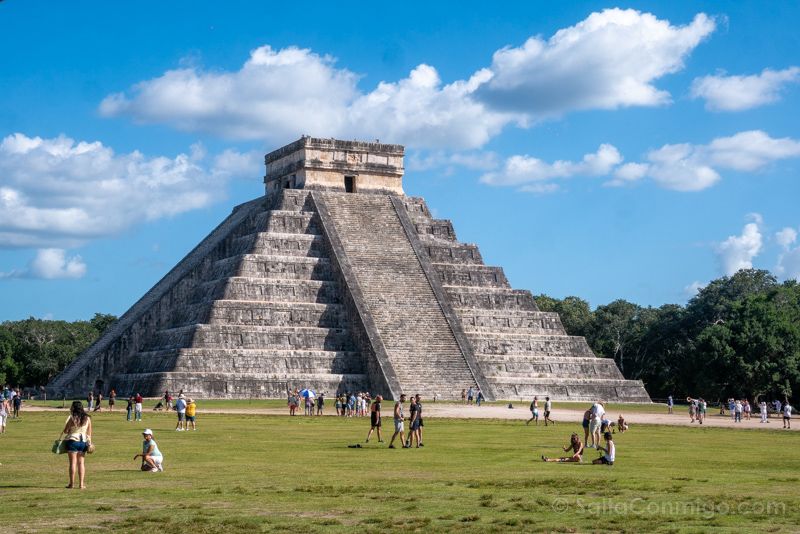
180	407
152	459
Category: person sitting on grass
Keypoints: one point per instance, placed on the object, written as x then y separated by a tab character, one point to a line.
609	451
577	451
152	459
622	426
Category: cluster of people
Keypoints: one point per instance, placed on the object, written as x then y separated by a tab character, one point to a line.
352	404
534	408
10	404
609	451
697	409
415	422
595	424
311	402
76	435
472	394
738	409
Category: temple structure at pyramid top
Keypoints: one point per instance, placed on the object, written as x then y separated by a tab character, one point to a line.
331	164
335	280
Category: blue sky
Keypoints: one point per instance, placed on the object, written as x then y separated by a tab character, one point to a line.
601	150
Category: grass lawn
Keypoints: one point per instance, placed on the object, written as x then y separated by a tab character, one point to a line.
250	473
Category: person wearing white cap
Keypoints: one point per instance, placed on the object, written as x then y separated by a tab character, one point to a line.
152	459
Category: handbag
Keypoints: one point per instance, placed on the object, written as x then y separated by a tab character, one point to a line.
90	447
59	446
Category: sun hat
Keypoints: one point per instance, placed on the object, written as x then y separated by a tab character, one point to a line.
181	396
147	431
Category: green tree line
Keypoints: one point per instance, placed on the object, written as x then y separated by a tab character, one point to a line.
739	336
33	351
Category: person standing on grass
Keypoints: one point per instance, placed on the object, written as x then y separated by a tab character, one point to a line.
577	451
692	408
747	409
548	406
3	414
180	407
737	411
137	406
413	423
609	451
320	403
598	411
152	459
90	401
701	410
375	419
534	408
112	397
398	422
98	403
78	430
421	421
470	395
479	397
732	408
763	408
191	413
463	396
129	409
670	405
587	418
16	404
787	415
167	400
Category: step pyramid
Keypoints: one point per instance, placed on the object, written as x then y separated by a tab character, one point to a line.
337	281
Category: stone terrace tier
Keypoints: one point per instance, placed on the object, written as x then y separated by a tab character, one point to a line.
255	312
522	351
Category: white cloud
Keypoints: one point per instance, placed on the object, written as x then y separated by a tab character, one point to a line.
688	167
276	94
789	264
628	173
421	112
608	60
525	170
786	237
737	93
51	264
60	193
789	260
738	251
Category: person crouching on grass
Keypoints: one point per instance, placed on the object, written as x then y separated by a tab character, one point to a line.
609	451
577	451
152	459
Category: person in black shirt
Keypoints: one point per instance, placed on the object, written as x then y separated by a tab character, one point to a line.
375	418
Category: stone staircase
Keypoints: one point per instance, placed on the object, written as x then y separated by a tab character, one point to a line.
422	349
265	314
522	351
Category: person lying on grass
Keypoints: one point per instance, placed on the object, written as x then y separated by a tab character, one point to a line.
609	451
577	451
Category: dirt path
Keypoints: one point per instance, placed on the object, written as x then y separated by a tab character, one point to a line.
459	411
